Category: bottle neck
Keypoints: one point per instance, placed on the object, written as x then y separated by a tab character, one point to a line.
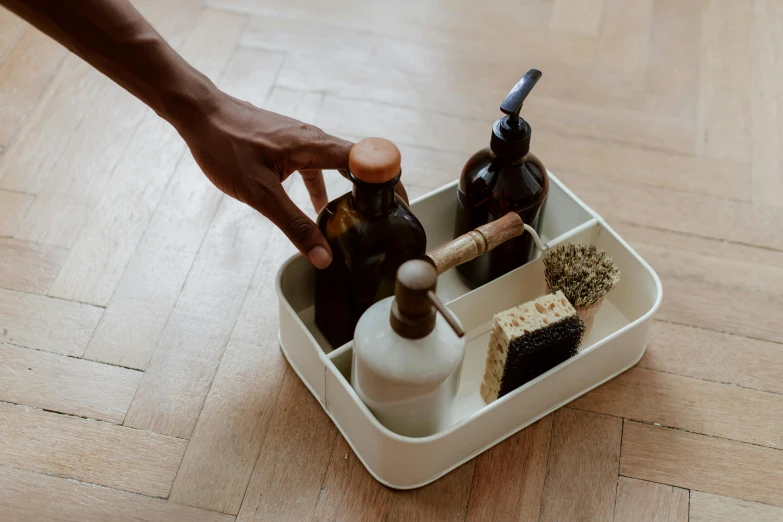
373	199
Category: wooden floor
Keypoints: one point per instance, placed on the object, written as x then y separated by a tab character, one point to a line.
140	376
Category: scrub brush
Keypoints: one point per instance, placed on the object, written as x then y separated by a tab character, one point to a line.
584	273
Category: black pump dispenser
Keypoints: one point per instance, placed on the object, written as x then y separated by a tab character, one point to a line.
504	177
511	134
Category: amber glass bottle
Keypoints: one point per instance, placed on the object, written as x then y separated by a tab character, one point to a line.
502	178
371	232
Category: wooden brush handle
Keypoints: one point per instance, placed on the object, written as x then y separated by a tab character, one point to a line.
479	240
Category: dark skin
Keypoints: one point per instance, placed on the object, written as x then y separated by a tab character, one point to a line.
246	152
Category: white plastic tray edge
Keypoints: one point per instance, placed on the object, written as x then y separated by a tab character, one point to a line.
466	459
315	371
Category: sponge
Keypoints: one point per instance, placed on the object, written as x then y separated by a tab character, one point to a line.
529	340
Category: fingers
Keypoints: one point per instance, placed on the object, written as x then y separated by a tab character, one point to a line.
400	190
275	204
324	152
314	181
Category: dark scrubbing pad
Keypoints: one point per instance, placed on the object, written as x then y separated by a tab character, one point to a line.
538	352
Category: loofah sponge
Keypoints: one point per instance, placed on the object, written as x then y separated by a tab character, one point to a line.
529	340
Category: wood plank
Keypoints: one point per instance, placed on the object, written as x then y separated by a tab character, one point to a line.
65	202
31	160
631	127
766	117
250	74
581	477
285	35
226	441
11	30
743	312
724	95
185	361
13	206
700	462
623	45
24	75
715	261
102	250
714	356
65	384
641	501
157	270
90	451
159	264
29	267
128	331
612	161
509	479
577	16
302	106
715	508
465	136
293	460
466	18
398	35
79	176
698	273
377	81
68	500
47	324
706	216
711	408
174	29
672	77
444	499
349	493
513	46
406	126
106	243
425	170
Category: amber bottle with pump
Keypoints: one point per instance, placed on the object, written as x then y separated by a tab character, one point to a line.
505	177
371	232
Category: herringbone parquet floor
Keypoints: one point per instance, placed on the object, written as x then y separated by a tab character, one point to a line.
140	376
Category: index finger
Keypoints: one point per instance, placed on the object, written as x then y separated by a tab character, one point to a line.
314	182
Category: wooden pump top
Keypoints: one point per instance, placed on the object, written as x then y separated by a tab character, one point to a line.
374	160
415	302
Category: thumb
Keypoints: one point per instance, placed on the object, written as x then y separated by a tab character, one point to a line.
300	229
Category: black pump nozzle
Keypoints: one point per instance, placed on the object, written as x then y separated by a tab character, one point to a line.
513	102
511	134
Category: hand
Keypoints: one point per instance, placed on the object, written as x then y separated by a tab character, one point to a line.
248	152
245	151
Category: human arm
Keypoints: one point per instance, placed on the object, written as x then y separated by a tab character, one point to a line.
245	151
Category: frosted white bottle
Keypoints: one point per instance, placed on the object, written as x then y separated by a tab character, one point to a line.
407	358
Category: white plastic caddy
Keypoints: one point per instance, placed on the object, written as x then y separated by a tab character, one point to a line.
616	342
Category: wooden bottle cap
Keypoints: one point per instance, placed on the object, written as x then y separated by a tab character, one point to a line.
374	160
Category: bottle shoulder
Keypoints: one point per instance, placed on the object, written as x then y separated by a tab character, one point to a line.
487	176
341	216
430	359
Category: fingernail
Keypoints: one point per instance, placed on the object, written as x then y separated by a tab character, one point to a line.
319	257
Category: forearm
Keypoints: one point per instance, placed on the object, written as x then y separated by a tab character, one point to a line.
114	38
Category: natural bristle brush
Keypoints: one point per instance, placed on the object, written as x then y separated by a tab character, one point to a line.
584	273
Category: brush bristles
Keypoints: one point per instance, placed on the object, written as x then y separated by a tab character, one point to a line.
584	273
